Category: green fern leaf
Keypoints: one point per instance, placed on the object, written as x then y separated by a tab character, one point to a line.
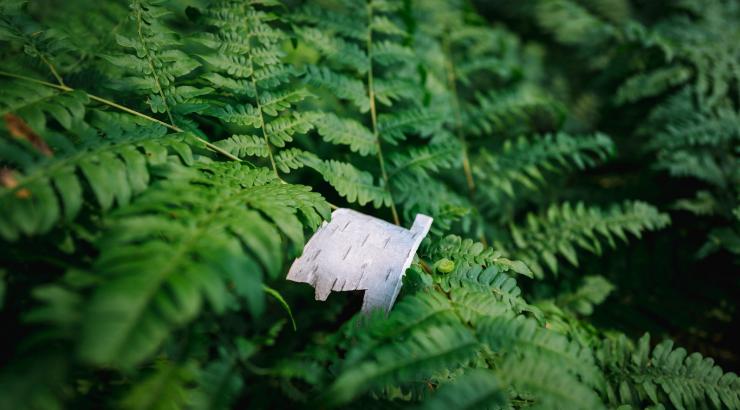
37	103
351	183
637	376
160	267
345	131
218	384
165	388
244	146
344	87
526	338
49	189
394	127
475	389
424	352
548	386
566	226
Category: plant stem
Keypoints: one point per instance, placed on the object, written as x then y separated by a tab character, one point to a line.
52	69
262	119
139	24
124	109
452	84
374	115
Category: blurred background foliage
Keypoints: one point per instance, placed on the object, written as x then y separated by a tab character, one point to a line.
643	72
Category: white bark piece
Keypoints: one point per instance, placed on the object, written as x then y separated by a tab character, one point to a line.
359	252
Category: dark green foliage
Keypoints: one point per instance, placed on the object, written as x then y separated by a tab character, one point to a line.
162	162
49	187
477	388
561	228
638	375
170	266
152	62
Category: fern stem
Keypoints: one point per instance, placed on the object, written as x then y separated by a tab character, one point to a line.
52	69
374	114
139	24
124	109
452	84
262	119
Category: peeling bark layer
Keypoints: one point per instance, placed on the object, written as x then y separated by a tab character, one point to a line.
359	252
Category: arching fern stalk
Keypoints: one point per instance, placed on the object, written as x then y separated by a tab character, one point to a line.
153	64
254	89
359	61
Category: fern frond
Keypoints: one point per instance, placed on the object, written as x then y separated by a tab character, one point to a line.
473	306
339	51
548	386
389	91
19	30
155	62
282	129
702	165
411	360
36	103
394	127
180	245
166	387
257	91
652	83
563	227
388	52
413	191
571	23
343	86
50	189
425	160
592	291
639	375
411	314
703	40
524	162
273	103
526	338
690	129
218	384
244	146
351	183
510	112
358	61
491	282
291	158
467	253
346	25
475	389
245	115
345	131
